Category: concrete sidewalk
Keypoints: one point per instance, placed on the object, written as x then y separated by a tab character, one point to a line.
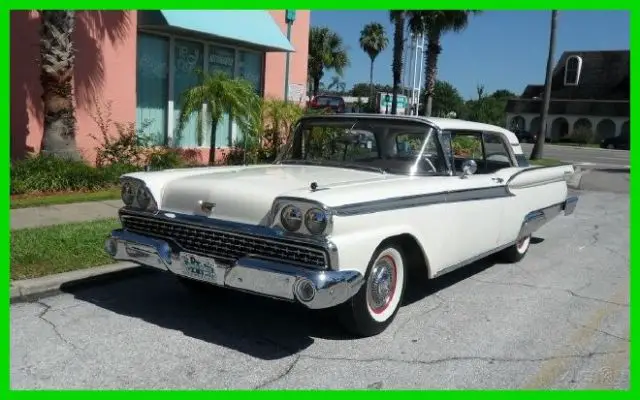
64	213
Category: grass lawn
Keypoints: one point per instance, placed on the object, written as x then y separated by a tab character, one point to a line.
60	248
46	199
547	162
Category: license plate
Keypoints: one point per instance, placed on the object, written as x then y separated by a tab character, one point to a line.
197	267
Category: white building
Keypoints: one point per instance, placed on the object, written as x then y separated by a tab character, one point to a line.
590	89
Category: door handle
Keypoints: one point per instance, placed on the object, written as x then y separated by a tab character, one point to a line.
498	180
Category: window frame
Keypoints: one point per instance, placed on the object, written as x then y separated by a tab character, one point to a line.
570	69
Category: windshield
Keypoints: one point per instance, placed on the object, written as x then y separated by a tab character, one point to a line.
384	145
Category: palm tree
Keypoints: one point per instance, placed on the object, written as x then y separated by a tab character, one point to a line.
222	95
326	51
434	24
336	83
373	40
57	56
397	17
537	152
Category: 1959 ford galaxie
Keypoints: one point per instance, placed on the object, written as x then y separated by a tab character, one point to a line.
351	204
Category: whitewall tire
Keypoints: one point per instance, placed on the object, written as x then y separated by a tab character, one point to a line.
517	251
377	302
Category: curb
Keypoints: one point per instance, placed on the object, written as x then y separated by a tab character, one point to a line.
29	290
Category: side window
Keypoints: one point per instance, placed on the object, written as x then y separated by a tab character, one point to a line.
466	146
496	153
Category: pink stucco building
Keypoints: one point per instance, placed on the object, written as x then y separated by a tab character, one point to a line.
140	62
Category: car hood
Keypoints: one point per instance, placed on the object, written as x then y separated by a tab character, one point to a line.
247	194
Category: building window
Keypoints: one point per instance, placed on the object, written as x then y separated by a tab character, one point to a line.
188	60
572	70
250	68
167	67
152	87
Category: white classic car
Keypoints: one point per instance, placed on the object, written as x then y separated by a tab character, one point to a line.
350	205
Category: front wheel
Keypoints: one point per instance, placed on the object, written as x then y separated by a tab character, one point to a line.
376	304
517	251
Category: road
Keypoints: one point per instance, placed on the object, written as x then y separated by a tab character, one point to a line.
584	155
558	319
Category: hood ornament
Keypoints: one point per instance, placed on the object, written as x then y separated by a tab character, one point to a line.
206	207
313	186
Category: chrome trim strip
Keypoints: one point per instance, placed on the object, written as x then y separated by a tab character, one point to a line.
248	274
540	183
395	203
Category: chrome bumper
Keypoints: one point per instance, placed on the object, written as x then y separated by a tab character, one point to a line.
536	219
314	289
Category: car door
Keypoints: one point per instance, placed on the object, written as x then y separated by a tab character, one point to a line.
475	202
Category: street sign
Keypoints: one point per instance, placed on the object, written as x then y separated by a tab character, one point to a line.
386	99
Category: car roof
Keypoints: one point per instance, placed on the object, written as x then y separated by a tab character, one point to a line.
441	123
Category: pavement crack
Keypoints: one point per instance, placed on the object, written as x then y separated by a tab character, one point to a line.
624	339
283	375
42	316
489	360
569	291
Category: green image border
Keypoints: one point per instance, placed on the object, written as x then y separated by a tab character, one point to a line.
9	5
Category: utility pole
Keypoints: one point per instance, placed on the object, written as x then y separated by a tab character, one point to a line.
538	152
290	17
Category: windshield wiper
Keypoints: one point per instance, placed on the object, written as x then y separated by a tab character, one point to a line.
336	164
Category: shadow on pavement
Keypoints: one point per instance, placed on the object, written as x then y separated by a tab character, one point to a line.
614	170
257	326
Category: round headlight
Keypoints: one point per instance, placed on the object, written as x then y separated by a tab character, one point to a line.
316	221
127	193
144	197
291	218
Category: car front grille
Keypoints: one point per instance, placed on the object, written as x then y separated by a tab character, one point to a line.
224	245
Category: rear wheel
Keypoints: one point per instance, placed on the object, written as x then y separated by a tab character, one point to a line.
377	302
517	251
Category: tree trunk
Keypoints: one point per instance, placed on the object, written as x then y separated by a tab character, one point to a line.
398	43
316	86
371	95
56	77
212	144
538	149
433	51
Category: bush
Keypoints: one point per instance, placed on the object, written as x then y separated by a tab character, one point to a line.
582	135
47	173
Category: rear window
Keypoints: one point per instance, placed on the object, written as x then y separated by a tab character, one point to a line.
329	101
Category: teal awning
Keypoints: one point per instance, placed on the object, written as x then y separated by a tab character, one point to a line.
250	28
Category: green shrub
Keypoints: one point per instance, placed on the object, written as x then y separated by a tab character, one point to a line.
582	135
47	173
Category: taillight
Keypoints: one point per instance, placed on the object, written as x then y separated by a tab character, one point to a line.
314	102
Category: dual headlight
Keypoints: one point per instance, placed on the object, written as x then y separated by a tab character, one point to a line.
314	219
135	194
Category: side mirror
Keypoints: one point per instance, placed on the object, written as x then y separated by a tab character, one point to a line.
469	167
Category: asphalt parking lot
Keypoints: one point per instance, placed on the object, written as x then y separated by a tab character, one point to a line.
558	319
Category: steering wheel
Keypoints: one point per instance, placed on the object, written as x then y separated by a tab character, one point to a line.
426	157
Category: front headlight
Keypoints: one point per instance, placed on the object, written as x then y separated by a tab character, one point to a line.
291	218
136	194
128	193
316	220
144	197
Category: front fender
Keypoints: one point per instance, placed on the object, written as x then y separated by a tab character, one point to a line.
356	248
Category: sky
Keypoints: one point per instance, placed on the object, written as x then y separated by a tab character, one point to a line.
499	49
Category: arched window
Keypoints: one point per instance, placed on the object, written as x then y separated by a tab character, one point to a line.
572	70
